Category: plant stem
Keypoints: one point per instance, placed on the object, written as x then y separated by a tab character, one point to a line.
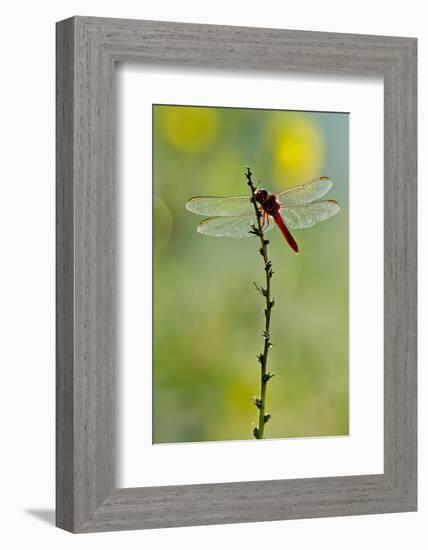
265	376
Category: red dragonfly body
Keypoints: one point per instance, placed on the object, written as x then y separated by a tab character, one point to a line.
295	208
271	206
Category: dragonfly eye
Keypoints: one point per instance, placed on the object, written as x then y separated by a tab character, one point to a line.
261	195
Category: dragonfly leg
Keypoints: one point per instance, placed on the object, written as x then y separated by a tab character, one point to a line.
265	219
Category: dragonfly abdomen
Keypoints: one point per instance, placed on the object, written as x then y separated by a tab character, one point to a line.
285	231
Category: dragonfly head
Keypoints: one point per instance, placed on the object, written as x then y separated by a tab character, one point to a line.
261	195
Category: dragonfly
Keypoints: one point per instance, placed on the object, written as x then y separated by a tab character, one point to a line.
295	208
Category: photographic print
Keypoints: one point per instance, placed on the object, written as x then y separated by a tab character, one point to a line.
250	274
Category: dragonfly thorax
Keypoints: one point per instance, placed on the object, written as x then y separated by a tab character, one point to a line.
267	200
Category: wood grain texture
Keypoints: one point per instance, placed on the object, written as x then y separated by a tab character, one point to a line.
87	50
64	277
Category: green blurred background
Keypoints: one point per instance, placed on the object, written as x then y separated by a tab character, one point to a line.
207	316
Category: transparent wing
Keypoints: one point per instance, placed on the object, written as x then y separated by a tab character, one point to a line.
305	193
220	206
307	215
232	226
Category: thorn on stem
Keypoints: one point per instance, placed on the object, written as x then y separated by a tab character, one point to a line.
266	418
256	433
267	376
268	265
260	289
257	402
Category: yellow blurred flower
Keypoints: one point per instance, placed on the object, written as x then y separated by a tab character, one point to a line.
298	149
190	129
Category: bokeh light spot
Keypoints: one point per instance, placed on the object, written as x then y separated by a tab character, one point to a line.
298	149
189	129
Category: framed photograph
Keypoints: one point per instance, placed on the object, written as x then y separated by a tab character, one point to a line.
236	274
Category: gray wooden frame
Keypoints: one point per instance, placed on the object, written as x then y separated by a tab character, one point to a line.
87	50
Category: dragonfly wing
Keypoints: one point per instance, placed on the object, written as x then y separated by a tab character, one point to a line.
220	206
307	215
305	193
232	226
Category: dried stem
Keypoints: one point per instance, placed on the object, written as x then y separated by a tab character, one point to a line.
265	376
